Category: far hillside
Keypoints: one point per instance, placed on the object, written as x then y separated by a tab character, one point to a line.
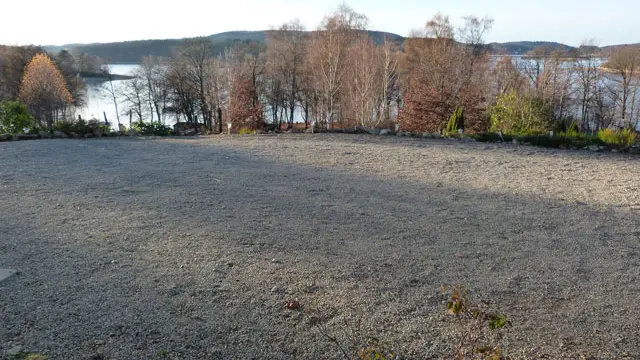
131	52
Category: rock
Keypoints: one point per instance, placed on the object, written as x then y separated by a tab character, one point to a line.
403	133
74	135
467	139
385	132
293	305
275	289
190	132
60	135
182	128
306	131
132	132
14	351
5	137
594	148
98	132
516	142
88	135
44	134
374	131
17	137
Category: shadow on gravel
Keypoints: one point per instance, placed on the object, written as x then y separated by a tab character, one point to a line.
132	248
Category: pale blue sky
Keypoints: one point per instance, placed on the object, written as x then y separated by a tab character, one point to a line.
68	21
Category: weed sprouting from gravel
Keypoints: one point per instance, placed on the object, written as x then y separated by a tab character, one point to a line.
480	328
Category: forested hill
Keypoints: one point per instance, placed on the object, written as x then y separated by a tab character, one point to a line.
523	47
129	52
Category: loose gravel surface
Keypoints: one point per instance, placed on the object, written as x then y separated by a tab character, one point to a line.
190	248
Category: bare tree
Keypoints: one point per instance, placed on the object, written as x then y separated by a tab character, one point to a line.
110	91
153	72
587	74
133	94
286	53
328	59
622	68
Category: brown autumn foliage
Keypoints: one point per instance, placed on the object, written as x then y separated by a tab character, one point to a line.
245	112
43	88
13	60
441	74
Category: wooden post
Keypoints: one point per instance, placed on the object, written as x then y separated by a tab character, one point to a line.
220	120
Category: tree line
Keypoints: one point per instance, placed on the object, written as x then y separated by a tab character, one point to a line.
338	76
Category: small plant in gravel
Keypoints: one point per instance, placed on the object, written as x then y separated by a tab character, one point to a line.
480	328
28	356
351	340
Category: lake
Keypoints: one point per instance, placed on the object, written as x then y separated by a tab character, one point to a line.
98	101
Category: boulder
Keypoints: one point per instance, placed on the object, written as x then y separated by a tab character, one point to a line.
88	135
132	132
467	139
594	148
17	137
5	137
44	134
74	135
374	131
189	132
385	132
60	135
182	128
98	132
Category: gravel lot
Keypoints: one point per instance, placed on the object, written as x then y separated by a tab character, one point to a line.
190	248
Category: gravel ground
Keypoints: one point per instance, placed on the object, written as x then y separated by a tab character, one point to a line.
190	248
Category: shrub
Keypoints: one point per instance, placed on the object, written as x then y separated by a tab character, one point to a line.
492	137
14	118
516	113
152	129
480	328
81	127
456	121
622	139
247	131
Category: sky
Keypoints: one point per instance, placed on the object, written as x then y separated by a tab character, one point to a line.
46	22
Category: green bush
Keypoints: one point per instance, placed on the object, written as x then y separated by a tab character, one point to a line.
517	113
621	139
14	118
247	131
152	129
456	121
81	127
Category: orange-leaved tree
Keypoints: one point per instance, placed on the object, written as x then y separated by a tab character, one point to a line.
43	88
